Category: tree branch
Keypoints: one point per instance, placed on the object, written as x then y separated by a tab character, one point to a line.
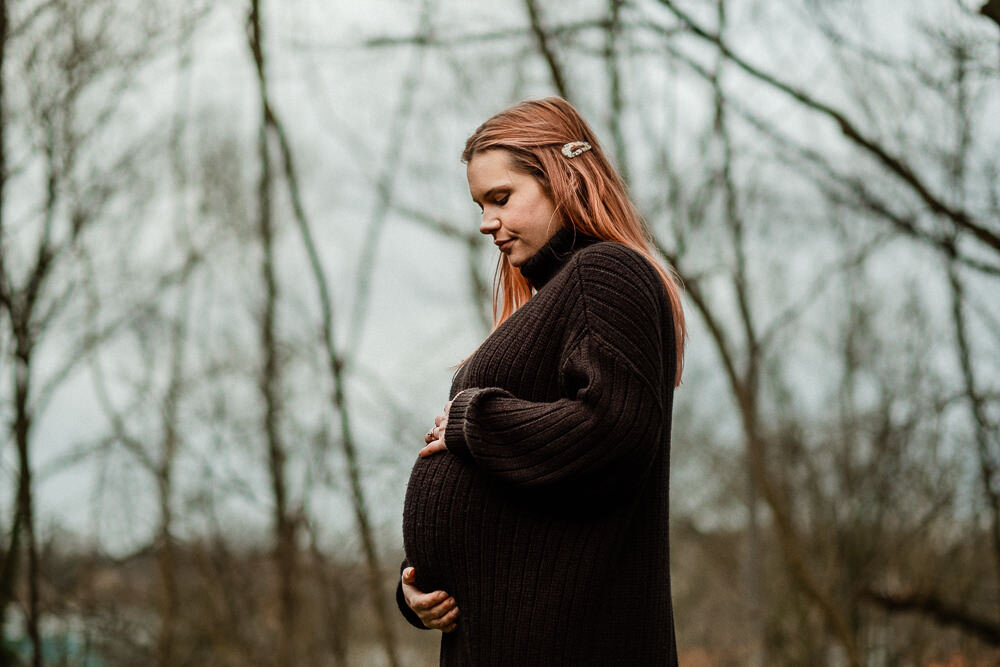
545	48
961	218
938	610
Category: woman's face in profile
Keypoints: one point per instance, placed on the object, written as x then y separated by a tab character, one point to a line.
517	212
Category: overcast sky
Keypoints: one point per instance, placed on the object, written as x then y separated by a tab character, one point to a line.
339	101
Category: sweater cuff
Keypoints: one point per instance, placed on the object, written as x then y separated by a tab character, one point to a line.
458	413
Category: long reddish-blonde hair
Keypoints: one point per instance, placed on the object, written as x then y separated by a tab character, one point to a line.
586	190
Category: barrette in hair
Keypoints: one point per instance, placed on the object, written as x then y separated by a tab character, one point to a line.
574	148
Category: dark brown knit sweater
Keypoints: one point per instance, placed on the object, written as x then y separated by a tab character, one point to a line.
546	519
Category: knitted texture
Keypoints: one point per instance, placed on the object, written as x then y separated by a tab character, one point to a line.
546	519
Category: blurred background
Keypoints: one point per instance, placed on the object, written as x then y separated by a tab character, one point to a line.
239	262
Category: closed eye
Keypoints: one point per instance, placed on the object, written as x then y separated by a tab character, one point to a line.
496	200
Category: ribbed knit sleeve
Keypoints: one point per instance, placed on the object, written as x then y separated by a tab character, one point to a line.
605	429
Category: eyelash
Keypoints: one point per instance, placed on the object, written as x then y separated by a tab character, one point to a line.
499	202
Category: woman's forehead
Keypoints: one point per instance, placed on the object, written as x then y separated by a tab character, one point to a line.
488	170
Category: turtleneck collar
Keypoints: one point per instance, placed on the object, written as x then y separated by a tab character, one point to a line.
552	256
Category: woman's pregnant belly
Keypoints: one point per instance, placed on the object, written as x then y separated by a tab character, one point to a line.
502	553
443	519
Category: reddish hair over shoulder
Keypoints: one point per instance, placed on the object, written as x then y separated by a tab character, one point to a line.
587	191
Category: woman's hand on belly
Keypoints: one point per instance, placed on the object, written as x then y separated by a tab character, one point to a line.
436	610
435	437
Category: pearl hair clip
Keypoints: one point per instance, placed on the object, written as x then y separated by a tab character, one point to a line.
574	148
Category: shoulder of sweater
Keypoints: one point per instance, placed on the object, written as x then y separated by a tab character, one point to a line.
617	284
622	296
616	262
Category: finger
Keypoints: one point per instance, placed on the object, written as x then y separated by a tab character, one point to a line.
442	608
443	621
450	628
416	598
426	602
432	448
438	420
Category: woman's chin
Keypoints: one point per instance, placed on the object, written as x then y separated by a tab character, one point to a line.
516	258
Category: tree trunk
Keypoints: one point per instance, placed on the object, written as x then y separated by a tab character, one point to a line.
270	379
9	556
25	506
334	360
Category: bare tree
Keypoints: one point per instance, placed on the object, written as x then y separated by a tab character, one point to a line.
964	235
285	528
71	56
271	127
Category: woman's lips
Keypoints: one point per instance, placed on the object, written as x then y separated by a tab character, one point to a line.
505	245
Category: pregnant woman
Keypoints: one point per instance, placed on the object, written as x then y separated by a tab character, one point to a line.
535	520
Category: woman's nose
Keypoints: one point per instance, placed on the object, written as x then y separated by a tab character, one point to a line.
489	224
